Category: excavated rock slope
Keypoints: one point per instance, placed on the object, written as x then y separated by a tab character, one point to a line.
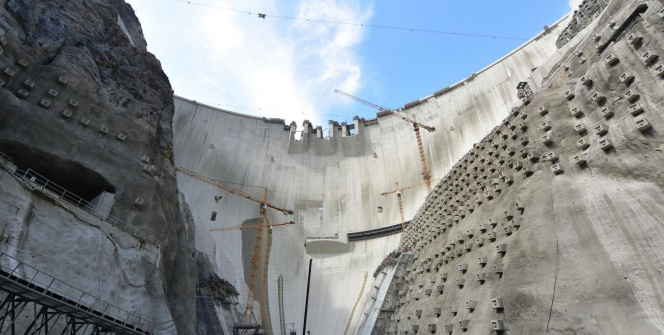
111	120
553	223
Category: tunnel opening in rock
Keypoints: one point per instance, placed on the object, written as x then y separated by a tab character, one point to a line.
69	175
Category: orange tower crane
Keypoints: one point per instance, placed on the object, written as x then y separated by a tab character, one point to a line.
426	175
255	258
398	190
268	248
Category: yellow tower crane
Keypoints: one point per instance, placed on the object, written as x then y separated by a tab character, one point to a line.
398	190
255	258
426	175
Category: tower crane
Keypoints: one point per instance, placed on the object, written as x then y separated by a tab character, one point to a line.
255	258
426	175
268	248
398	191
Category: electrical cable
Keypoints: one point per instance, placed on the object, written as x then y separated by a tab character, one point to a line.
356	24
555	279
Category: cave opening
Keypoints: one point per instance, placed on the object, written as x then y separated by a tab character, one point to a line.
70	175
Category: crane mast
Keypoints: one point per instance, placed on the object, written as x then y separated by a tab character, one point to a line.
398	190
255	258
426	175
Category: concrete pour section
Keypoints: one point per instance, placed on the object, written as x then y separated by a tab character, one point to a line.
333	185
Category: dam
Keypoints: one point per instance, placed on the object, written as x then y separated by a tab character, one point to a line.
130	210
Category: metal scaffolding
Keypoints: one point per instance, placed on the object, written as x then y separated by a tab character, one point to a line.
33	302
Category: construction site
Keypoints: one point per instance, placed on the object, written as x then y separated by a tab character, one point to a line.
523	199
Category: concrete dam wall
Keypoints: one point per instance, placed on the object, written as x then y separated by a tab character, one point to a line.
334	185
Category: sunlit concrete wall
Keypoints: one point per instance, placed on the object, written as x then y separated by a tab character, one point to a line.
334	184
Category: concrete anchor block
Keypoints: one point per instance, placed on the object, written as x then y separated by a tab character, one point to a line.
437	311
542	110
586	80
468	246
29	84
460	282
428	292
443	276
579	160
471	305
605	144
66	114
470	232
635	109
569	95
2	83
611	59
453	309
606	112
626	78
576	111
482	227
497	303
463	324
557	169
507	230
631	96
449	328
597	98
22	63
458	252
546	139
498	268
493	222
580	128
601	129
533	157
121	137
23	94
551	157
440	288
62	81
582	144
659	70
497	325
84	121
139	202
480	241
501	248
649	56
44	103
524	140
432	327
73	103
9	72
481	261
642	125
415	328
53	93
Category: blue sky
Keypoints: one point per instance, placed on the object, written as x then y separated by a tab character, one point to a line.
287	68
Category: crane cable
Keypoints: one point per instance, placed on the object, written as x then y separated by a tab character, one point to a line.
263	16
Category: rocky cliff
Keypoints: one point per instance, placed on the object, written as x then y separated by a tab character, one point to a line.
553	223
86	115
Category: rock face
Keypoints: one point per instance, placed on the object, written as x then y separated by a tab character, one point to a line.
552	224
85	106
588	10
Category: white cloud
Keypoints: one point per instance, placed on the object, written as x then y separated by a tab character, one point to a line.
289	68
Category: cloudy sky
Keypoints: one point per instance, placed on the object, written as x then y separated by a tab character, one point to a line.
287	66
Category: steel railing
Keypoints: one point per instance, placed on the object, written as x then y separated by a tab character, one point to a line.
36	181
32	278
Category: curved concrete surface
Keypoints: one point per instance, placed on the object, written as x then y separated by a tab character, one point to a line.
334	184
